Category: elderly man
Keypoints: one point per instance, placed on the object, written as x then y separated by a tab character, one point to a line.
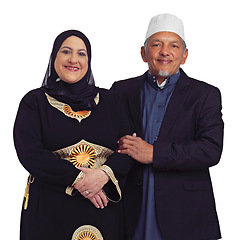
178	135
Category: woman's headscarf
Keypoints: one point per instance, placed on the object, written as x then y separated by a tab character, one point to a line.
79	95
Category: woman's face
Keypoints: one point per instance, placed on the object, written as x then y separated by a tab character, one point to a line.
71	63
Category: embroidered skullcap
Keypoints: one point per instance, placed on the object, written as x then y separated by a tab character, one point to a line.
165	23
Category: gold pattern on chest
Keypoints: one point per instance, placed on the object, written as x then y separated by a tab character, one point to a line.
67	110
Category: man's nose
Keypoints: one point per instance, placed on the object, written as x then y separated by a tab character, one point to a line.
164	51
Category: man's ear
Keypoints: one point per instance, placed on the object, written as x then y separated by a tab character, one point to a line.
143	54
185	55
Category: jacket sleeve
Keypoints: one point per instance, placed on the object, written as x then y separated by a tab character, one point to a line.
40	162
203	149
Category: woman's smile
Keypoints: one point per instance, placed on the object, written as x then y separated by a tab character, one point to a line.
72	68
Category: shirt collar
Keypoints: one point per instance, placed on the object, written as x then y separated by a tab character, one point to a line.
152	79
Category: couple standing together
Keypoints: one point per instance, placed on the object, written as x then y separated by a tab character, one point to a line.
130	163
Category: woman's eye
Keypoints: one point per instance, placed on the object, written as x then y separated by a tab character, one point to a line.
65	51
82	54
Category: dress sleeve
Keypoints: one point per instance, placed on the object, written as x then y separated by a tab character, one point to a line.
204	149
120	164
40	162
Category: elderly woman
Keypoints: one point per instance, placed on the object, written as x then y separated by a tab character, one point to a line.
66	132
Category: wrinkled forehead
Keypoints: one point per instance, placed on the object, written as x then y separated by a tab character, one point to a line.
167	37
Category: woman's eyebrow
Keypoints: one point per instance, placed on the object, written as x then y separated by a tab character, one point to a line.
72	49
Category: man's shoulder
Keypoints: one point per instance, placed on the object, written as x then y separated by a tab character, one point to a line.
199	85
127	84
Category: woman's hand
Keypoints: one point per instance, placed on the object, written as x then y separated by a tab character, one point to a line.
99	200
92	183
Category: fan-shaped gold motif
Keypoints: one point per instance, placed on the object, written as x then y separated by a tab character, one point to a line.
87	236
87	232
80	114
83	156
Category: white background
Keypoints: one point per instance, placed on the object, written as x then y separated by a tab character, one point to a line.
116	30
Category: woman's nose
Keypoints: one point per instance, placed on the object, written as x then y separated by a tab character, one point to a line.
72	59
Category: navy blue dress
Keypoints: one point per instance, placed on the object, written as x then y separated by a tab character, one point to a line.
41	129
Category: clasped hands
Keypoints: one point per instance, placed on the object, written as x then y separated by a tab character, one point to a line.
94	179
90	186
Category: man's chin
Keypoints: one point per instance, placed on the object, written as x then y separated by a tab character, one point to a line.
163	73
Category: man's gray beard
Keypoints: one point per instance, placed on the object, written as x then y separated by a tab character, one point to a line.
163	73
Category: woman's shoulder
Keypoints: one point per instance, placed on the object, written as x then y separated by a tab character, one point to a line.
33	96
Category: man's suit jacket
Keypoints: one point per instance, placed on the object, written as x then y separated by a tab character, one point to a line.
190	141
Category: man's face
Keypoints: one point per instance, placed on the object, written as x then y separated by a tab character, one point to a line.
164	54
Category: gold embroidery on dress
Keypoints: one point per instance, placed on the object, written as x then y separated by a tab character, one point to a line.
67	110
87	232
85	154
89	155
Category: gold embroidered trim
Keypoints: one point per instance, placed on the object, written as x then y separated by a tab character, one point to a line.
67	110
111	175
87	232
69	190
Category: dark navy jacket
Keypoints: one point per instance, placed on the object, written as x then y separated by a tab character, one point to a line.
190	141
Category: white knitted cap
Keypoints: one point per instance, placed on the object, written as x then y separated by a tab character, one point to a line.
165	23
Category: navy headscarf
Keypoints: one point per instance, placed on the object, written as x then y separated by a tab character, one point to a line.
79	95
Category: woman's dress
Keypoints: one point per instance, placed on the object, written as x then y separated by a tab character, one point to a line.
40	129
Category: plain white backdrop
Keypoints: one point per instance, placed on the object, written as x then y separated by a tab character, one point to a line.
116	30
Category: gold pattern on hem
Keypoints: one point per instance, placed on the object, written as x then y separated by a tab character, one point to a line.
67	110
87	232
88	155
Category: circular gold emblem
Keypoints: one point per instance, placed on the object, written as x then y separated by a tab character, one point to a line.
87	232
83	156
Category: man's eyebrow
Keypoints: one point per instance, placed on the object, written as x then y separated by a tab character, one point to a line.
156	40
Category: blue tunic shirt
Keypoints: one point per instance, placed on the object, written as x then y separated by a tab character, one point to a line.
154	101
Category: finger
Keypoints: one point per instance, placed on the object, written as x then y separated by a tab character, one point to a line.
85	193
125	151
94	202
104	198
99	201
124	138
127	144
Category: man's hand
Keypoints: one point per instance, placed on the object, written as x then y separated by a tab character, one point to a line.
136	148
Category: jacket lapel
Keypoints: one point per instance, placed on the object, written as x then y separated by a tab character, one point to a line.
175	104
